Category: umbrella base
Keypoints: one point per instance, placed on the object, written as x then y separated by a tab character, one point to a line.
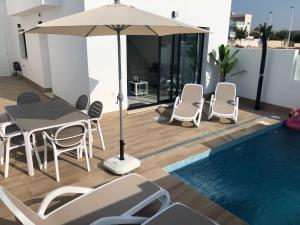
120	167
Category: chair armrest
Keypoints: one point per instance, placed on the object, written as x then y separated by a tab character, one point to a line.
212	99
60	191
46	137
237	100
177	100
3	127
115	220
12	135
5	124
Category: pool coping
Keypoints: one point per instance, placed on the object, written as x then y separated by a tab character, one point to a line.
200	156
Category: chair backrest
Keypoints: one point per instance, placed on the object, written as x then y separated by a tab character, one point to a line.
28	97
95	110
192	93
70	135
82	102
225	91
20	210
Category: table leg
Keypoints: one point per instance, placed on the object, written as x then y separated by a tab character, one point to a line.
28	153
90	139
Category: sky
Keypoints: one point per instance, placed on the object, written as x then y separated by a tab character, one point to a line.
260	10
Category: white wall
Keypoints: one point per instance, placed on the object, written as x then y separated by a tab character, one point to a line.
68	56
280	86
102	51
59	62
4	55
21	7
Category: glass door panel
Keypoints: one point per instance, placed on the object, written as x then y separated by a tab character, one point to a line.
166	80
188	60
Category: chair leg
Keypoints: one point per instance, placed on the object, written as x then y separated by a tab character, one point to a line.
6	162
100	135
78	150
36	152
45	152
56	166
87	158
2	149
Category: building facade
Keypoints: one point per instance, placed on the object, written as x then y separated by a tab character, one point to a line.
241	22
154	68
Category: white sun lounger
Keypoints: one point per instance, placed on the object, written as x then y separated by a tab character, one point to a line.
123	197
224	103
189	106
175	214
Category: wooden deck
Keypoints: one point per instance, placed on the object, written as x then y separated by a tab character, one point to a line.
148	137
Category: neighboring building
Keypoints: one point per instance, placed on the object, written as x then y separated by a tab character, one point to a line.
239	21
72	66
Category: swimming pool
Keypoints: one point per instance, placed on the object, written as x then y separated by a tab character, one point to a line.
256	178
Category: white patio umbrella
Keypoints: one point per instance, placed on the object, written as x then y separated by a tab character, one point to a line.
116	19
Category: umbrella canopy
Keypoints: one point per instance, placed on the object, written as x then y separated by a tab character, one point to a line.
116	19
104	21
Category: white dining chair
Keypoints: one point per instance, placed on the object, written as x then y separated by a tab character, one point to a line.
95	112
12	138
67	138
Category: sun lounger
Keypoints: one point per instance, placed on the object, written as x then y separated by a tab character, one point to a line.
122	197
189	106
224	103
175	214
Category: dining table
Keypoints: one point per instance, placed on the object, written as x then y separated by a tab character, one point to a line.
45	115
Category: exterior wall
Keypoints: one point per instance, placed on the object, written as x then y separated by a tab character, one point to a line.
281	86
21	7
57	62
102	51
4	54
73	66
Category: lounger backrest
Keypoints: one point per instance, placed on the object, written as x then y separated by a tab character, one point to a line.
20	210
70	135
225	91
27	97
192	93
82	102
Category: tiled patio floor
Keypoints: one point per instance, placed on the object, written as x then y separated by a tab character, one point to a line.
150	137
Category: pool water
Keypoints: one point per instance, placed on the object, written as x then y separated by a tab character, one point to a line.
257	179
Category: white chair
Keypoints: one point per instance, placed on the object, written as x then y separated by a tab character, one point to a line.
224	103
189	106
12	138
67	138
95	112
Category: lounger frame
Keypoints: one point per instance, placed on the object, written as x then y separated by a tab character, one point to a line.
196	118
234	115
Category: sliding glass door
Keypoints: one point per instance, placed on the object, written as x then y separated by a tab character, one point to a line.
158	68
166	76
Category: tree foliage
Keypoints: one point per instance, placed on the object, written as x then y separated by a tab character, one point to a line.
241	33
226	60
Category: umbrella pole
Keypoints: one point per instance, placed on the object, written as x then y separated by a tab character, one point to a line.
120	98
